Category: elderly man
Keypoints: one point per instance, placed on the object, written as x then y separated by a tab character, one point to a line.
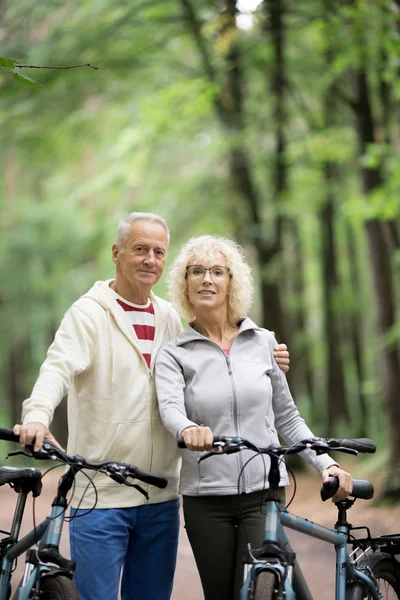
103	357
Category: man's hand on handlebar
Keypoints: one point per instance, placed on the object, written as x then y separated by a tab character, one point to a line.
36	433
345	482
281	355
198	438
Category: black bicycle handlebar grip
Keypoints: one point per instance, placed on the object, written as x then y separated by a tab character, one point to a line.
8	436
216	439
160	482
360	444
361	489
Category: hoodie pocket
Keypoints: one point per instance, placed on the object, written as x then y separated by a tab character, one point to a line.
130	443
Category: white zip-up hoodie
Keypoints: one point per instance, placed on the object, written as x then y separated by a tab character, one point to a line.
112	405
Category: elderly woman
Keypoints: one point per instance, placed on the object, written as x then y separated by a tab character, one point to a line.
219	378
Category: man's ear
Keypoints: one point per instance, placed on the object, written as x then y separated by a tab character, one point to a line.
273	333
115	253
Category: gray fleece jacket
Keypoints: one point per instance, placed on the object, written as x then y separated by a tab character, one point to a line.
244	393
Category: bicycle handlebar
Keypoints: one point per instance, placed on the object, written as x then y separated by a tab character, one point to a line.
8	435
229	445
361	488
118	471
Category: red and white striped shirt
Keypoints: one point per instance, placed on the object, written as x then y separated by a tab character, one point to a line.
142	319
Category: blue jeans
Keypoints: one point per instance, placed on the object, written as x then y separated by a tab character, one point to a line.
141	542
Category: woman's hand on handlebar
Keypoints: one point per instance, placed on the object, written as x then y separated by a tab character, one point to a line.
34	432
198	438
345	482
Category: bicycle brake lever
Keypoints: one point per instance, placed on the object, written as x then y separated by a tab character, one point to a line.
208	454
324	449
138	488
222	450
19	452
346	450
122	478
42	455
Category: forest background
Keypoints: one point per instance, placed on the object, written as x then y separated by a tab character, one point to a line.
275	122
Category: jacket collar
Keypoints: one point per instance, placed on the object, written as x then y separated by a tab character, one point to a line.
190	335
103	295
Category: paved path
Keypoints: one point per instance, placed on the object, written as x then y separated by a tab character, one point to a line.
316	558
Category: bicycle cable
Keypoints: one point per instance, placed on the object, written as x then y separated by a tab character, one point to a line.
281	459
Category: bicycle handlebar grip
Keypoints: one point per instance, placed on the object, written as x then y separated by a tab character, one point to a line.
360	444
329	488
146	477
8	436
216	439
361	489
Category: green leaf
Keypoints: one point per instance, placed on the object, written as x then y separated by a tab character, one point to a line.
7	62
25	79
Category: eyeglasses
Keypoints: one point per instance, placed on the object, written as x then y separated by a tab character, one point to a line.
199	272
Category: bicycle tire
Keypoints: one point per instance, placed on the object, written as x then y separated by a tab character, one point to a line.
56	588
265	586
386	574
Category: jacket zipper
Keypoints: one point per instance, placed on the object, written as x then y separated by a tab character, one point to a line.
151	452
235	406
151	377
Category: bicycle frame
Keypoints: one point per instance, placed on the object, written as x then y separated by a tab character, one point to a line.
45	561
272	571
275	520
47	535
37	562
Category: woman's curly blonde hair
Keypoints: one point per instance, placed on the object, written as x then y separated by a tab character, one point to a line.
202	249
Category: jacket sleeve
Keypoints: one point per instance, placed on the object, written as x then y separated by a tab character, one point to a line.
170	384
288	421
69	355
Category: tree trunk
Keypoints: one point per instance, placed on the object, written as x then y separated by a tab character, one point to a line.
336	392
303	354
379	257
229	107
277	85
15	379
354	326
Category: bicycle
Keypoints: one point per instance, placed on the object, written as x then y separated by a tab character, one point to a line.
370	570
48	574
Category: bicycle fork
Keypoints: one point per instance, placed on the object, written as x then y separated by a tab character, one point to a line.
275	557
37	561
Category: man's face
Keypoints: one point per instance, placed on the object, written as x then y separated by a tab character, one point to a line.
141	261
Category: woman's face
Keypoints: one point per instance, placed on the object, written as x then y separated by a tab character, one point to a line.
208	286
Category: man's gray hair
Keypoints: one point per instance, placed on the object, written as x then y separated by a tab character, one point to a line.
124	226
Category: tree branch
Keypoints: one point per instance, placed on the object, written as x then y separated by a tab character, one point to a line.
46	67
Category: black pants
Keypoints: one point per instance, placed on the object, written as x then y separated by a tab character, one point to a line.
219	528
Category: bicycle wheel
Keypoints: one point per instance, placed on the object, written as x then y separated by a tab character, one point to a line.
54	588
58	588
386	574
265	586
